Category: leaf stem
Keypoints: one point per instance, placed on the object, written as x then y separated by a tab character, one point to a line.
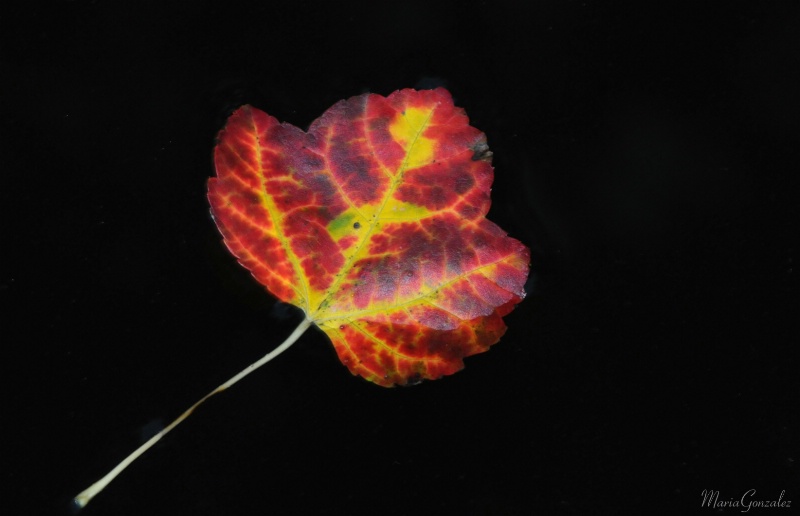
86	496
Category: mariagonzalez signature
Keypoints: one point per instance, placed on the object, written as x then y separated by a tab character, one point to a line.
745	502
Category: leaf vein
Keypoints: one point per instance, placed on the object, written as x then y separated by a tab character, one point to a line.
410	302
274	215
368	234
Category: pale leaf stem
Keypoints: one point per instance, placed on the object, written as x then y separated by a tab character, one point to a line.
86	496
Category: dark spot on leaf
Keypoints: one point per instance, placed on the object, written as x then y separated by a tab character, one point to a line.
437	196
414	379
463	183
341	327
481	152
356	225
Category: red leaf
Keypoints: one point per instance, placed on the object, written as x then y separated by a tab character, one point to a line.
373	223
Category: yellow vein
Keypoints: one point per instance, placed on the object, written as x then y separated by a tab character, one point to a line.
389	348
395	182
276	220
421	298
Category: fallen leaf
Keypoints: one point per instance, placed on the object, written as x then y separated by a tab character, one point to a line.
373	222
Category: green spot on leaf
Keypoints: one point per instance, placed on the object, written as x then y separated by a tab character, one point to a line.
339	226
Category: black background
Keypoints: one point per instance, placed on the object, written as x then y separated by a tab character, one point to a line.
645	153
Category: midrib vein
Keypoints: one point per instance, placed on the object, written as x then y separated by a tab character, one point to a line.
395	182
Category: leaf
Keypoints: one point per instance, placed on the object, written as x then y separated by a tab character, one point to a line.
373	223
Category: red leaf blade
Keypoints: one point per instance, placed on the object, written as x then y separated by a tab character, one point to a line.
373	223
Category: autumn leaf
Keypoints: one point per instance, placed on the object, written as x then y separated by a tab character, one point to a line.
373	222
